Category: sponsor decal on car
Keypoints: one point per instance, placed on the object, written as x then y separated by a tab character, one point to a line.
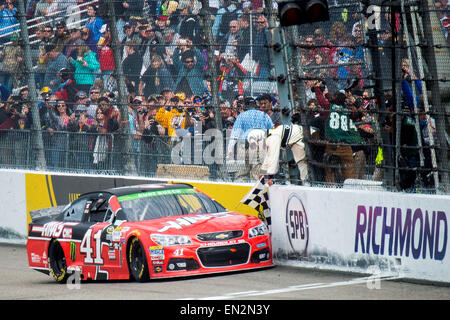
73	251
67	233
35	258
179	223
156	253
52	229
221	243
157	269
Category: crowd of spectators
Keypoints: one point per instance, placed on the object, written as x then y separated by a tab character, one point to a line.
165	66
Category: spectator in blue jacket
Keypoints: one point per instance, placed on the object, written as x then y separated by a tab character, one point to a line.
4	92
190	64
94	23
406	87
8	19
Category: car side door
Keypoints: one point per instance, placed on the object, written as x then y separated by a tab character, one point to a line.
99	245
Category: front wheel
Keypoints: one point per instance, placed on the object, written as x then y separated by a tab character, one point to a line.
137	261
57	262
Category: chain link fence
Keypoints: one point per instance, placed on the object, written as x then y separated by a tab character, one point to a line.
156	88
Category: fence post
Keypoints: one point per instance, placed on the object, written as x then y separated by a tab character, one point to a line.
212	77
212	70
436	97
372	34
396	65
37	143
127	139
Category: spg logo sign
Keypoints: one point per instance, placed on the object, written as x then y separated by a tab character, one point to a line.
297	224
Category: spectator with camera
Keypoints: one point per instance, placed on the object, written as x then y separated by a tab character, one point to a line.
92	103
50	130
86	66
81	138
231	77
150	45
111	116
230	40
226	112
179	119
8	117
155	78
207	118
261	48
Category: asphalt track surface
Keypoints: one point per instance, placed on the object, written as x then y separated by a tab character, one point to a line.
19	282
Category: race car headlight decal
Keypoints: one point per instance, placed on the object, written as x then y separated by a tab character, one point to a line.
260	230
166	240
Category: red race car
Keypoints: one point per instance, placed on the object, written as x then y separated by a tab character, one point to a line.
144	232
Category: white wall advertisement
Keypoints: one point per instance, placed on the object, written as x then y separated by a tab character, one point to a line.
13	207
361	231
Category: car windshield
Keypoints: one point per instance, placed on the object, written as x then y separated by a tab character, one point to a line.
163	203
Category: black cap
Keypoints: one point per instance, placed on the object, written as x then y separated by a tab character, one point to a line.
102	99
249	101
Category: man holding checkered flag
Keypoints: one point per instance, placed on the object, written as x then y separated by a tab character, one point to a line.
258	198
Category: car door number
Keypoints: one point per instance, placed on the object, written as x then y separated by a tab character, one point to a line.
87	249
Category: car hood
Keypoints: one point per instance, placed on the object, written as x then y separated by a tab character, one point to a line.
199	223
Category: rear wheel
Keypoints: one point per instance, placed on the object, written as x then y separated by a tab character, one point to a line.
137	261
57	262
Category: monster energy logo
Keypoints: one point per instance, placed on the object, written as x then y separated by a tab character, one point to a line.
73	250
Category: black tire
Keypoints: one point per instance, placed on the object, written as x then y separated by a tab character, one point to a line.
137	261
57	262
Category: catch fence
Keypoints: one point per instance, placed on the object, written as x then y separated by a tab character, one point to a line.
389	59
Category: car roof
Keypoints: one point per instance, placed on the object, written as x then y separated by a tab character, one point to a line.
122	191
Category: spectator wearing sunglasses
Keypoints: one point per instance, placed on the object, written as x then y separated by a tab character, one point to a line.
190	76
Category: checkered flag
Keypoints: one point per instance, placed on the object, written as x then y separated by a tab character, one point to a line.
258	199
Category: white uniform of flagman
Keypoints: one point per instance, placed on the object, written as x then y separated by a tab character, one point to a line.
285	137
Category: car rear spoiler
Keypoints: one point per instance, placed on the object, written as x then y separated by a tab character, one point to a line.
46	212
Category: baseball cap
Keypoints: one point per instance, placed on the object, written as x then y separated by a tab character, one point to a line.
249	101
45	90
80	95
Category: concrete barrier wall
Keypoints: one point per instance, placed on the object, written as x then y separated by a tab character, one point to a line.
329	229
23	192
361	231
13	206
